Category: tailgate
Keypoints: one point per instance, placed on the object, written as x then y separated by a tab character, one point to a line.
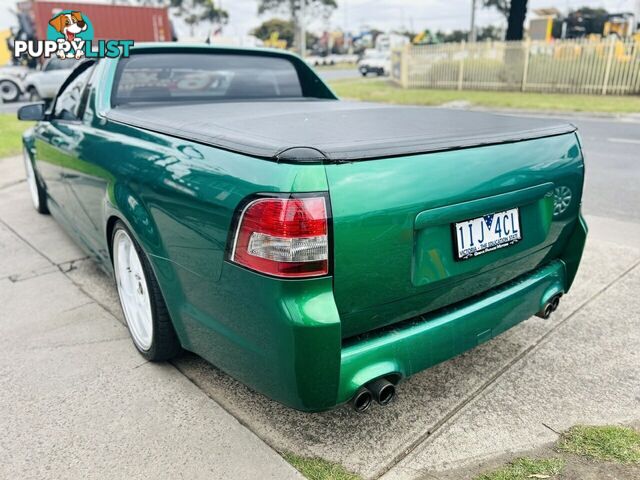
394	221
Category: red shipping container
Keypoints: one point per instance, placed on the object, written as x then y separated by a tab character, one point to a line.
110	22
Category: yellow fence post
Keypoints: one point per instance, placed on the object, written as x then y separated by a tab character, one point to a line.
607	72
404	66
461	66
604	66
525	70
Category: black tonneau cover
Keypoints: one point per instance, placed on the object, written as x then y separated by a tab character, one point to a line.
339	130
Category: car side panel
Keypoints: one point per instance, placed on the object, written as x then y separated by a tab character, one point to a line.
179	199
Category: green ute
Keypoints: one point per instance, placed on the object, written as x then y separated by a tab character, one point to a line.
319	251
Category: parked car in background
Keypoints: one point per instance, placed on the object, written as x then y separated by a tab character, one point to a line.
318	60
11	82
346	58
331	59
318	250
375	61
43	84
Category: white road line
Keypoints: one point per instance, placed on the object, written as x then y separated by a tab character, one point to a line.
623	140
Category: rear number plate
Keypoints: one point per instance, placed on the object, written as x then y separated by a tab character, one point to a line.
487	233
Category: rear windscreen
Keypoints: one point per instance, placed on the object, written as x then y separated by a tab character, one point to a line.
168	77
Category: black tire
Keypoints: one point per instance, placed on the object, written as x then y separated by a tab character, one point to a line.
43	208
164	344
34	96
41	204
9	91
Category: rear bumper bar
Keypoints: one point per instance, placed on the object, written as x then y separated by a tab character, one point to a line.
287	342
424	341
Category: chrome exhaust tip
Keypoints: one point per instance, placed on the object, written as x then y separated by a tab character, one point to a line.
361	401
555	302
549	307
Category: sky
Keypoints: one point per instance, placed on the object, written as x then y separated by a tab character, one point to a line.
385	15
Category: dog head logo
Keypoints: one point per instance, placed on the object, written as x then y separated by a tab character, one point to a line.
70	35
69	25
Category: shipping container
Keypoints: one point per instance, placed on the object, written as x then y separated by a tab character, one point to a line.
117	22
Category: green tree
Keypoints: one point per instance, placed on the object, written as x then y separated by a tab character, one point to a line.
503	6
284	28
193	12
490	32
291	8
314	8
514	11
456	36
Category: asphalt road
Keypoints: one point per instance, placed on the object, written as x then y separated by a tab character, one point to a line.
11	107
612	151
612	164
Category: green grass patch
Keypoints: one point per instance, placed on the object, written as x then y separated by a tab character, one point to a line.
319	469
525	469
11	134
608	443
385	91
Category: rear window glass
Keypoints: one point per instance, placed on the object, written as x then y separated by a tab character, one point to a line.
168	77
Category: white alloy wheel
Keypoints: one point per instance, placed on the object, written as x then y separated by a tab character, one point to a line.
133	290
31	180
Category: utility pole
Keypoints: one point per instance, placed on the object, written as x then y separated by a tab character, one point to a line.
472	30
303	33
348	38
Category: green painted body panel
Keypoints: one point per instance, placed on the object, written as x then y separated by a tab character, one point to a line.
392	224
310	344
428	340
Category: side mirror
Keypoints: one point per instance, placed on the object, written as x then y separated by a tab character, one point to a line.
33	112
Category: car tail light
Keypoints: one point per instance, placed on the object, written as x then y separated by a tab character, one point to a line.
284	237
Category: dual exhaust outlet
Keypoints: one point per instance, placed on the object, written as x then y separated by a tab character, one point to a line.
549	307
381	390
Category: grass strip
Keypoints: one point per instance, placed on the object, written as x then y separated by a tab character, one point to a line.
606	443
526	468
11	134
387	92
318	468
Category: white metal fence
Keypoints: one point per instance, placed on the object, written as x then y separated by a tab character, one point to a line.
607	66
